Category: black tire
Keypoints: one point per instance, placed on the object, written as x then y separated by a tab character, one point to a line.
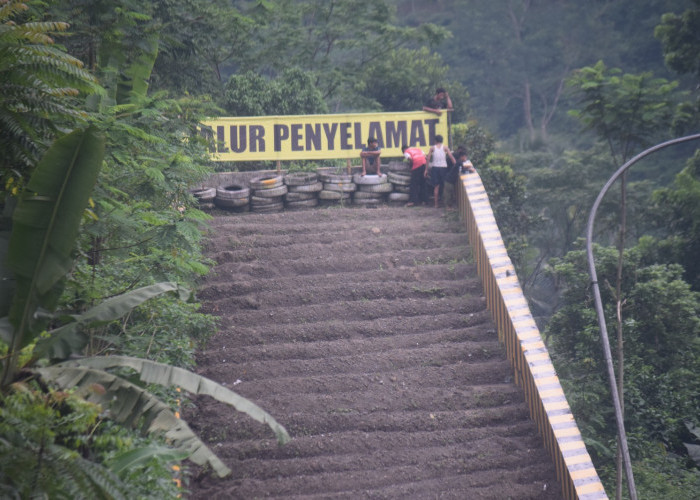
204	195
369	180
333	195
366	195
348	187
302	203
367	201
232	192
258	200
398	197
300	196
300	178
399	179
266	182
387	187
275	207
272	192
306	188
236	202
399	167
335	178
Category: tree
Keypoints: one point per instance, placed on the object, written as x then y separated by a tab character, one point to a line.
37	83
315	35
402	80
626	112
292	93
680	36
678	214
38	256
681	45
661	357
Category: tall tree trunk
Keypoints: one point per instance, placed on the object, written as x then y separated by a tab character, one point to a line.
527	110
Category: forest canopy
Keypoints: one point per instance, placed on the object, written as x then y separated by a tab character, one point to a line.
550	98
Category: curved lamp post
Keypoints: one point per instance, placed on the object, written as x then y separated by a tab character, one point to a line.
599	306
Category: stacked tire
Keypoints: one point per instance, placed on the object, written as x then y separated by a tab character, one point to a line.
267	193
232	197
401	182
205	197
372	189
337	188
302	190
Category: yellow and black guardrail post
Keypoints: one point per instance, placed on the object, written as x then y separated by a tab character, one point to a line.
525	348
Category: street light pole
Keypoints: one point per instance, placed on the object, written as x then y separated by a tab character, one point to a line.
599	306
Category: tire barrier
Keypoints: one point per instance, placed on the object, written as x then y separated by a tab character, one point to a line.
302	190
335	178
386	187
205	197
342	187
399	166
266	182
232	196
267	193
274	192
300	178
204	194
313	202
399	179
300	196
306	188
367	180
525	349
398	197
333	195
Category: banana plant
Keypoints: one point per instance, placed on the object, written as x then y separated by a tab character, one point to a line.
36	254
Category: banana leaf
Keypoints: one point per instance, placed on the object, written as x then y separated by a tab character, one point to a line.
131	405
44	229
70	338
131	409
141	456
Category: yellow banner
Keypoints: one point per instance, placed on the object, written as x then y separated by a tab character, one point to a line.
317	137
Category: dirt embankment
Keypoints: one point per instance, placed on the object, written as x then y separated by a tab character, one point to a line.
365	333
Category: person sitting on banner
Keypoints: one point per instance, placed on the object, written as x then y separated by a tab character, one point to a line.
441	100
370	157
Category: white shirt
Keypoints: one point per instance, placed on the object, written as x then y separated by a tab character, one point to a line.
439	158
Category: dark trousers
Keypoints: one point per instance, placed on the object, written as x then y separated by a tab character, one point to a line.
418	189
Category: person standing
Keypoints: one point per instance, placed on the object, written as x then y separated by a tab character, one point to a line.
437	158
441	100
454	173
418	190
370	157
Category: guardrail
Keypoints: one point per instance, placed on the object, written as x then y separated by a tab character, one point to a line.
525	349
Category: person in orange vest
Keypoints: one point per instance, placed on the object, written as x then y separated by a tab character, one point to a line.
418	189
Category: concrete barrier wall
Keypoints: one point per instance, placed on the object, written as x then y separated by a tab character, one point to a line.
525	349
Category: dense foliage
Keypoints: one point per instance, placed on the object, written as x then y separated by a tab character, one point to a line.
550	98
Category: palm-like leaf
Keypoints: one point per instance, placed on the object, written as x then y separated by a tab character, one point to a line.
141	456
45	226
35	78
70	338
130	404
